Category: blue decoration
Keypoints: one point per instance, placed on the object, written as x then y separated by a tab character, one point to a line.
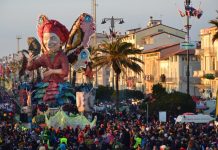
42	84
24	86
88	18
83	55
65	92
84	88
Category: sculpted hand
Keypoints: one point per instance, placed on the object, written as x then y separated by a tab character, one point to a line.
48	72
30	57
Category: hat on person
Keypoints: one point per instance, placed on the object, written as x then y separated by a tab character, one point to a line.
116	146
51	26
96	141
163	147
182	148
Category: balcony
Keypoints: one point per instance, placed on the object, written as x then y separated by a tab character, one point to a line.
192	80
199	73
214	72
149	78
209	52
210	71
171	80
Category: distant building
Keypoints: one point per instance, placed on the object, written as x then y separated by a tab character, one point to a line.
153	36
208	55
167	65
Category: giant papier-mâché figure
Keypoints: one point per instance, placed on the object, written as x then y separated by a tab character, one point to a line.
55	58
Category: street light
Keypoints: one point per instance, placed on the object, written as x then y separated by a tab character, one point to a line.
112	22
112	33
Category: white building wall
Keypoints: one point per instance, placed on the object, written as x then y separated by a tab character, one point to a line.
163	39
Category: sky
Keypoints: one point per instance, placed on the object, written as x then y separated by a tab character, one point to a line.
18	18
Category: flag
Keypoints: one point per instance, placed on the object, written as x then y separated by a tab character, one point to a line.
182	14
199	13
112	33
216	113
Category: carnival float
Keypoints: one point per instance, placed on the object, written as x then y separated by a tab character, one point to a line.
46	94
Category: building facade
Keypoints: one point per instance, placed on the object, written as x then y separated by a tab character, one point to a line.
168	65
209	63
154	35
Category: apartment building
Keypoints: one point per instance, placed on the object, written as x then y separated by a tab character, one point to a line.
208	56
168	65
154	35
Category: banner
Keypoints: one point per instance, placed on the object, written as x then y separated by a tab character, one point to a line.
80	98
162	116
200	118
85	100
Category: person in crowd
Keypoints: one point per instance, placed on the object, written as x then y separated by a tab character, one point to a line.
114	132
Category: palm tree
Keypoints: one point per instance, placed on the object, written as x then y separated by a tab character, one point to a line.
118	55
215	22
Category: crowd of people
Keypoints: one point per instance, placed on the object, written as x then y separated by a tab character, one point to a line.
114	130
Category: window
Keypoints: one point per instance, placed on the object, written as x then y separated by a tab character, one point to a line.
171	59
148	40
175	58
184	71
183	58
107	72
193	58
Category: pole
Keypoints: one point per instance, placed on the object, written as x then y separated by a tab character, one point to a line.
188	40
18	43
112	28
188	73
94	39
147	113
112	31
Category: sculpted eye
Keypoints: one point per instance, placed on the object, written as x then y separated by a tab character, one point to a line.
88	18
54	38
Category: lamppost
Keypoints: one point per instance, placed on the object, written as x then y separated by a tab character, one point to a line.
147	102
112	33
189	12
188	27
147	113
112	27
95	38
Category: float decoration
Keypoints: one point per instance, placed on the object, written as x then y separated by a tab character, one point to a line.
62	120
54	89
77	45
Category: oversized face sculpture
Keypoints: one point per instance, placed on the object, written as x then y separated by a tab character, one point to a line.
83	59
51	42
88	27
